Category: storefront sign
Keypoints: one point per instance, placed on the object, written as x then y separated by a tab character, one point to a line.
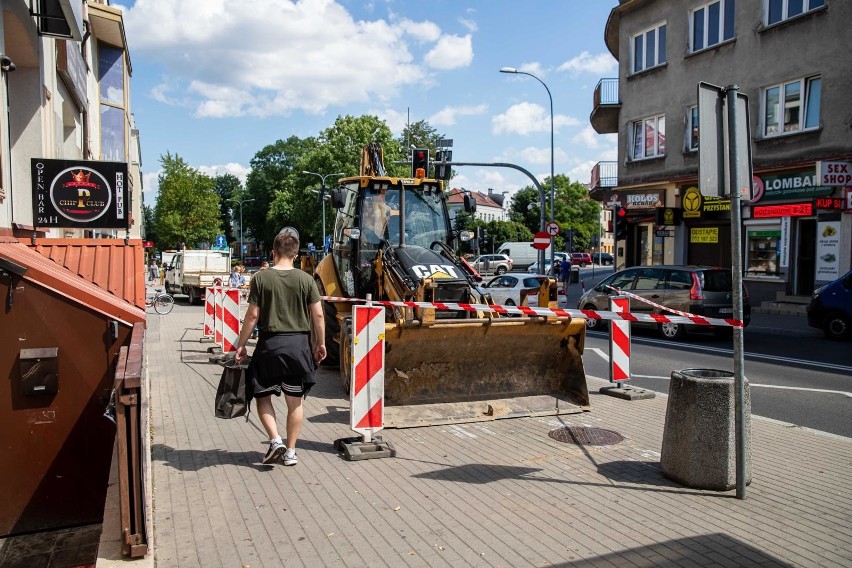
691	203
791	186
830	203
827	250
834	173
784	243
80	194
704	235
645	200
668	216
847	200
791	210
659	232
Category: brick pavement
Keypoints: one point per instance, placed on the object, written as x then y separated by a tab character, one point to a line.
499	493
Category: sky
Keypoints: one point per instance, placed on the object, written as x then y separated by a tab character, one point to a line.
215	81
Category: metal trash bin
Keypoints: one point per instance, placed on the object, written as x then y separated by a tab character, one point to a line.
575	275
699	437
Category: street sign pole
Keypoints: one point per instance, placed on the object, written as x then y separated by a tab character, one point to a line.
736	156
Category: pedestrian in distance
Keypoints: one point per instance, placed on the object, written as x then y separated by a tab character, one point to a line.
284	303
154	272
565	273
236	279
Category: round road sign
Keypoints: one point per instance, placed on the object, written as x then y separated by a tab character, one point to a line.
552	228
541	240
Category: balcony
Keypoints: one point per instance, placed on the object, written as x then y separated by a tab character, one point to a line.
604	174
604	117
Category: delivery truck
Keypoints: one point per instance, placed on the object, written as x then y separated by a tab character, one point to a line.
191	272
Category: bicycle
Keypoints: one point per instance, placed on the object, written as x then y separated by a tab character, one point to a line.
160	301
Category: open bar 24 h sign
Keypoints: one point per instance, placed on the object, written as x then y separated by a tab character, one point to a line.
80	194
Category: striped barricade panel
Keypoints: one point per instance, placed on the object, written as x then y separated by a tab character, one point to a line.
368	369
619	340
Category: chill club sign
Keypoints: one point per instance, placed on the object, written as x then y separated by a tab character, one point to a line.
80	193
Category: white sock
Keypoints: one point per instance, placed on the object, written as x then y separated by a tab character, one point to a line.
291	452
275	440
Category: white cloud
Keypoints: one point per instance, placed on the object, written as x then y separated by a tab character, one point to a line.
272	57
451	52
395	119
238	170
471	25
422	31
447	115
599	64
527	118
588	138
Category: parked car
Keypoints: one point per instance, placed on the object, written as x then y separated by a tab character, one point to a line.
582	259
492	263
700	290
534	269
506	290
831	308
603	258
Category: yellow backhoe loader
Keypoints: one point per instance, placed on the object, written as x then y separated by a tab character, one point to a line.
392	239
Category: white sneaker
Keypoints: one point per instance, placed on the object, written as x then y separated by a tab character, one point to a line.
290	458
275	451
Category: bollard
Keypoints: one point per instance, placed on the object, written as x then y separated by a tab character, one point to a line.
699	437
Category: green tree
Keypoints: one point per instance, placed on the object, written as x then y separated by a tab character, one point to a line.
149	232
575	210
187	210
227	187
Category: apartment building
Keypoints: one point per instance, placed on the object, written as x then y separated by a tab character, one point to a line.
66	96
789	59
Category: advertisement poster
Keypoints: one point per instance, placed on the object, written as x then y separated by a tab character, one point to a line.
828	250
784	243
80	194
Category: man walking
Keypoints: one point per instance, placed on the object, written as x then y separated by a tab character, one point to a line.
565	273
284	303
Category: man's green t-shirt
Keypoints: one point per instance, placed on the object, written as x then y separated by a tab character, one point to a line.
283	297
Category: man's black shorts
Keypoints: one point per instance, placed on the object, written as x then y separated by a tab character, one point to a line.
283	362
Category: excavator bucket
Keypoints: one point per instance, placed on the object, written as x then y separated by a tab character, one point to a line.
456	371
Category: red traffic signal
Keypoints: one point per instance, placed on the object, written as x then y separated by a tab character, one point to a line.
619	223
419	162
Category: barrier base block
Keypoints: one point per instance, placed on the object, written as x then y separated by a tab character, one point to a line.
206	339
214	349
355	449
626	392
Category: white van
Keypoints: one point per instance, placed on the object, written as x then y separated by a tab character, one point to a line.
522	253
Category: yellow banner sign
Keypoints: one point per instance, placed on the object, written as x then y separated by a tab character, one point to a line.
704	235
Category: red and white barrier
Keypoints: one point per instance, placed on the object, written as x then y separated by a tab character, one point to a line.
683	317
367	387
230	320
619	341
209	313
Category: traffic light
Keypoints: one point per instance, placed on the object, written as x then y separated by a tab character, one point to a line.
619	223
419	162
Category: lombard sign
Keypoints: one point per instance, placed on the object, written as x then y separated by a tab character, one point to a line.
788	186
80	194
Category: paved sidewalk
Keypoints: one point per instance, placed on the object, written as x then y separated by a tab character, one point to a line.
499	493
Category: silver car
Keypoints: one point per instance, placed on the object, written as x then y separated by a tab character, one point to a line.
506	289
492	264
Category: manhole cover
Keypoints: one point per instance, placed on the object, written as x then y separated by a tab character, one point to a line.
582	436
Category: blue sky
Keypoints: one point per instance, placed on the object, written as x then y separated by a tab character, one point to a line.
214	81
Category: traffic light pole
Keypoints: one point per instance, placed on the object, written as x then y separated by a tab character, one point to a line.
543	200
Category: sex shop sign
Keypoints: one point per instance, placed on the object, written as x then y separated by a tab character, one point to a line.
80	194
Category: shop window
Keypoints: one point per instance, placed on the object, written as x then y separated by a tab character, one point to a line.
791	107
648	137
780	10
711	24
762	252
649	48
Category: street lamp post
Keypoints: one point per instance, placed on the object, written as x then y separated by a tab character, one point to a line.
552	192
242	243
322	199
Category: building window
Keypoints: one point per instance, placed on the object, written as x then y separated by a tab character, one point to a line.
111	88
711	24
763	252
780	10
648	137
649	48
791	106
692	129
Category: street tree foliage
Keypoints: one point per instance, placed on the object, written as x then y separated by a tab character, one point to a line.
149	233
496	233
573	209
187	210
228	188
